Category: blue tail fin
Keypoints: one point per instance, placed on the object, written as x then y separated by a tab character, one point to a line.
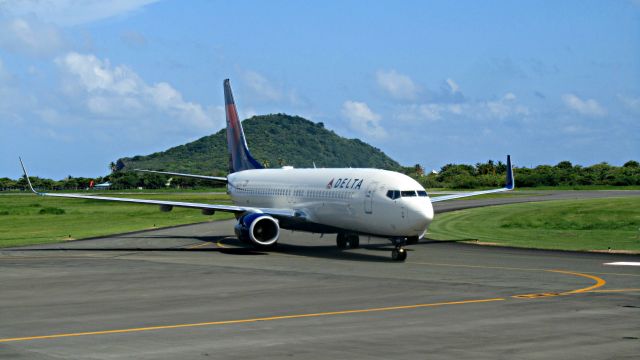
239	156
510	181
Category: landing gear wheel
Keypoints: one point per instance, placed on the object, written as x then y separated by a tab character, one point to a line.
353	240
399	254
341	241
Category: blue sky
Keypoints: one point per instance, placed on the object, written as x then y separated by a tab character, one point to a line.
83	83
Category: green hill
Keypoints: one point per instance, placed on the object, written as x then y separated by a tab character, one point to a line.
274	140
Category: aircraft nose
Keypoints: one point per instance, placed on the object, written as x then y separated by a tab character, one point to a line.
422	215
427	212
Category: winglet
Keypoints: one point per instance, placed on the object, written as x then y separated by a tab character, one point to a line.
27	176
510	181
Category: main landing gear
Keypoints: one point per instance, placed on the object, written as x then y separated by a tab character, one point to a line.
346	240
352	241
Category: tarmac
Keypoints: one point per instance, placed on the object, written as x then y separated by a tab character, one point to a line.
195	292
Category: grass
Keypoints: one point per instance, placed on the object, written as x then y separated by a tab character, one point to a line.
28	219
581	187
593	224
546	188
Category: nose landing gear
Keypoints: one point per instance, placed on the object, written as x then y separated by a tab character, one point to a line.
399	253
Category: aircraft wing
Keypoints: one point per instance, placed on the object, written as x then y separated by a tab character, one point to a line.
168	205
201	177
510	185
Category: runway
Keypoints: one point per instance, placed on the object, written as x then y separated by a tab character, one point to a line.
531	196
194	292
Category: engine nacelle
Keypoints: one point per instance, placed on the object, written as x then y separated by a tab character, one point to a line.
259	229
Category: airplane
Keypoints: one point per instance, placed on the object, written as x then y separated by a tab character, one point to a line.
349	202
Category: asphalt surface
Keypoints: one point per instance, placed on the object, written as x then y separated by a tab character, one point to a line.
193	292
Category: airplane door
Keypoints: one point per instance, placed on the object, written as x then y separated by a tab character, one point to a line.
368	198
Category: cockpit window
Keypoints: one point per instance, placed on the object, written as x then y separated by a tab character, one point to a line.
393	194
422	193
408	193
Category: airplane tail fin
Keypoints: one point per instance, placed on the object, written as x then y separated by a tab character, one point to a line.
510	184
239	156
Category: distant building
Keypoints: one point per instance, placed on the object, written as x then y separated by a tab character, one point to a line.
102	186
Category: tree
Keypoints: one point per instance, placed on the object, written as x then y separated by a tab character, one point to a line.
419	170
631	164
564	165
6	183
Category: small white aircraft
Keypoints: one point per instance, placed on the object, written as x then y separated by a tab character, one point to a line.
343	201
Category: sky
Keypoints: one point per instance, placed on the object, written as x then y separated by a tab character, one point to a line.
83	83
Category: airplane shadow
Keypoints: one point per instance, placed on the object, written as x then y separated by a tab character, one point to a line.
237	247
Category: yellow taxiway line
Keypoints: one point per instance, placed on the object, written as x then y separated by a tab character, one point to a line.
242	321
613	290
197	246
599	283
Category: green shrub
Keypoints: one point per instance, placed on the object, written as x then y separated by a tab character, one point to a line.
51	211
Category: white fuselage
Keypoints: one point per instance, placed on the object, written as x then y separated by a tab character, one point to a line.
370	201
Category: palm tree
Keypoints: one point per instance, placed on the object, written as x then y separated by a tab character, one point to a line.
419	170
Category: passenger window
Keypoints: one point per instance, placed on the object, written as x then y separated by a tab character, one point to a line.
408	193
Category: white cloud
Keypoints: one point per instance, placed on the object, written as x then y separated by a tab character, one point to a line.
362	119
449	93
631	103
453	86
118	92
588	107
398	85
95	75
509	96
505	107
261	87
71	12
30	37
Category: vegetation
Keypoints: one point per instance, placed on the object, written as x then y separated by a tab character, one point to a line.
596	224
30	219
275	140
564	174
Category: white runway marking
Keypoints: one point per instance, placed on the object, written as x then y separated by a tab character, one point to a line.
624	263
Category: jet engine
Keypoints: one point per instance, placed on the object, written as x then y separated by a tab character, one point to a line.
258	229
